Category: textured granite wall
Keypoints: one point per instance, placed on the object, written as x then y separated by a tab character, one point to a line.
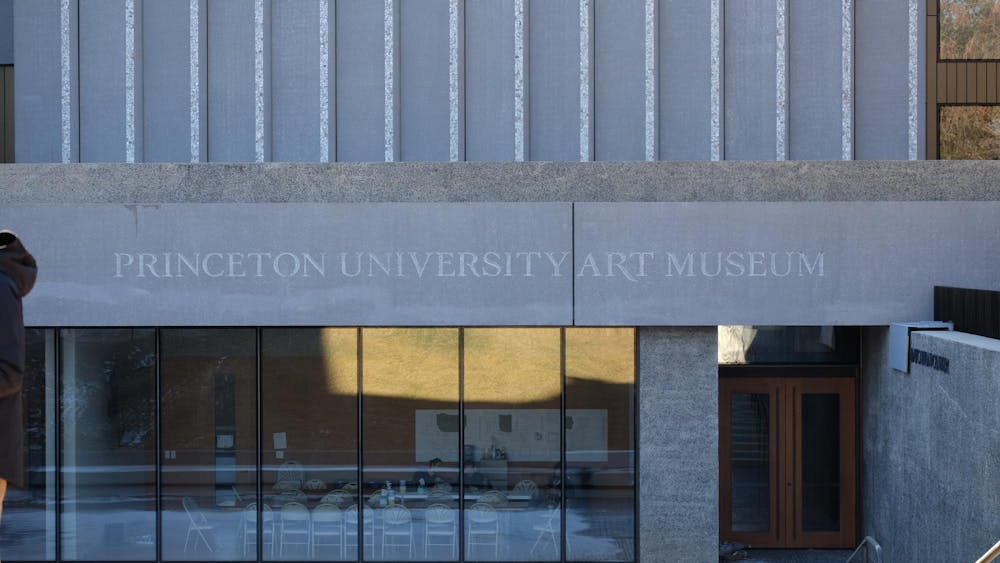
937	180
678	444
930	460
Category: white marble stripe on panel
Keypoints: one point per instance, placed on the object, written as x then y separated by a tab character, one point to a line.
65	78
781	80
715	150
847	80
585	114
324	84
519	86
651	75
388	65
194	48
914	74
129	80
258	79
453	84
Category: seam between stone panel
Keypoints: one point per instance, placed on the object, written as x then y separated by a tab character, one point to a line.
195	68
129	81
716	78
389	60
519	125
781	78
650	45
847	80
585	80
258	79
453	70
914	70
324	84
65	77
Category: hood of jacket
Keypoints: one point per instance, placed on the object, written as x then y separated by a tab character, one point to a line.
17	263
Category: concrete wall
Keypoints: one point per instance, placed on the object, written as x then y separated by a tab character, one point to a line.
439	80
930	464
678	444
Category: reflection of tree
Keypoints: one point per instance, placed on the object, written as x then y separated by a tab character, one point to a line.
970	132
970	29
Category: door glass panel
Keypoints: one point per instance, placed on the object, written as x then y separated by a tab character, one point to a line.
29	514
411	447
209	457
513	384
750	471
108	444
309	413
820	462
969	132
600	444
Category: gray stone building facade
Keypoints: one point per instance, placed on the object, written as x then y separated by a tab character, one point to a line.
212	184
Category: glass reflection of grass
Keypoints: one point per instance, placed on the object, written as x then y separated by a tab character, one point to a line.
506	366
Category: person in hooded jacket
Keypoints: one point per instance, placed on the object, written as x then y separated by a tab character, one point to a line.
17	277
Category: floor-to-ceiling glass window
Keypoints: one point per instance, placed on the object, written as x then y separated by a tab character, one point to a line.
464	452
513	473
309	444
208	397
108	408
600	444
410	428
29	512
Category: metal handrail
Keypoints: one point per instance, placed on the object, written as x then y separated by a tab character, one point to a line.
990	555
874	548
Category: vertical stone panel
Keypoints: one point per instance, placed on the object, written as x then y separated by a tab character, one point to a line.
619	80
231	135
685	79
553	91
102	81
489	82
881	80
167	83
750	71
424	80
815	80
360	96
37	89
295	84
678	444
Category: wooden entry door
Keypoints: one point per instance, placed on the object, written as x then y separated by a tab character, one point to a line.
787	461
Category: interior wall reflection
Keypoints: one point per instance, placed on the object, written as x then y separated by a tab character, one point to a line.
513	472
208	394
29	513
410	391
600	444
108	392
309	443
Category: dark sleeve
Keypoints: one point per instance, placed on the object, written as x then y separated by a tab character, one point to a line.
11	339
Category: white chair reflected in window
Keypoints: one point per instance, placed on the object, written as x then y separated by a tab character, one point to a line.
291	471
291	495
314	485
286	485
327	531
440	532
547	529
526	487
198	526
351	532
483	531
440	497
338	497
397	532
248	528
294	529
